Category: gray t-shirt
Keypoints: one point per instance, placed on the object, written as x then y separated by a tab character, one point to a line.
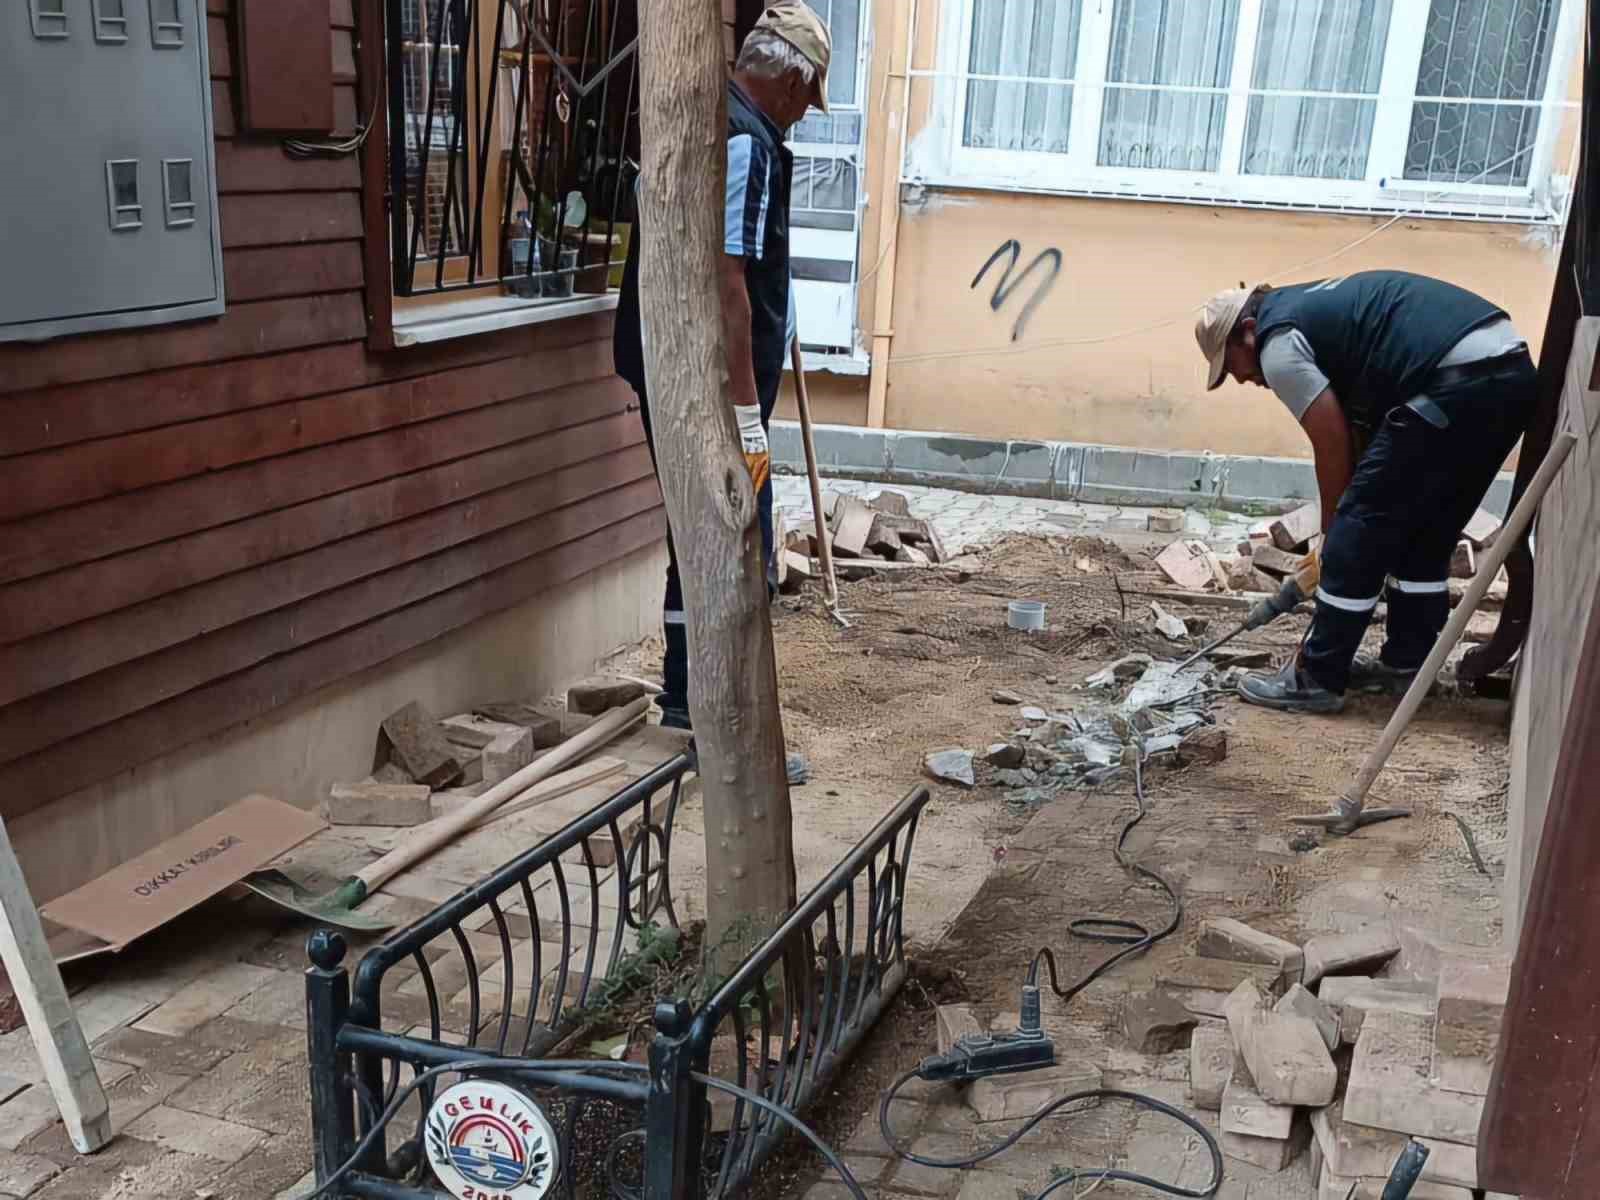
1292	373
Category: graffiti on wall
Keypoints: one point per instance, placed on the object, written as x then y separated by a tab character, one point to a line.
1050	259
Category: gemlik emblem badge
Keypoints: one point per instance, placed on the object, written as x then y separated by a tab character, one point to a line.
487	1141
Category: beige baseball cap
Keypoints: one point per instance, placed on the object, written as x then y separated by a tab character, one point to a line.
1212	327
798	25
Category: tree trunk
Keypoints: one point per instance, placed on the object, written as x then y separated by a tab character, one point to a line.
711	505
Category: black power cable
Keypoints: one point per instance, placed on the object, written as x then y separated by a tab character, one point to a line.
1134	937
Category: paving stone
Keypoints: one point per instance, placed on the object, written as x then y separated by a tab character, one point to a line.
418	744
18	1059
1014	1097
1353	996
1450	1163
1222	937
300	1188
1203	984
1389	1084
241	1077
954	1021
919	1180
1211	1062
105	1008
1346	1187
26	1114
369	802
1155	1022
130	1098
1358	953
23	1174
279	1001
1270	1154
1301	1003
1351	1149
1472	1005
195	1133
207	997
1245	1110
159	1052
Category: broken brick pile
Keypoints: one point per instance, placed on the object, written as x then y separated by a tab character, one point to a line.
1307	1047
423	766
863	536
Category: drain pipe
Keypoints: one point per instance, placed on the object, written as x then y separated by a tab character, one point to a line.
889	167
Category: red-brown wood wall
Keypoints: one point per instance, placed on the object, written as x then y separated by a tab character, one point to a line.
200	523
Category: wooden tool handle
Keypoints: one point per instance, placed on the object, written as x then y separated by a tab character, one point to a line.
1488	568
819	518
425	839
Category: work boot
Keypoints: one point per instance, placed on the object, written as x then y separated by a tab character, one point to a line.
1289	690
1369	673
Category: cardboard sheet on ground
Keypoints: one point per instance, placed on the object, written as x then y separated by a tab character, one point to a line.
146	892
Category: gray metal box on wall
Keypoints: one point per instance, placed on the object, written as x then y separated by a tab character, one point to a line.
108	210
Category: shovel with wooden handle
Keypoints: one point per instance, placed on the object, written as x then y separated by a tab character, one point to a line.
337	906
819	518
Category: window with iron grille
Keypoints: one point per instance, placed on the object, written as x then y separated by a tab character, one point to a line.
1455	107
513	143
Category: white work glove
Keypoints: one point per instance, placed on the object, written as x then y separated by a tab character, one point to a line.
753	437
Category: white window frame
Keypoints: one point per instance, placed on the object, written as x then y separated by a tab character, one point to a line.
939	156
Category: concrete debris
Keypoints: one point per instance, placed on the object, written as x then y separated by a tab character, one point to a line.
1464	562
372	803
1124	669
1168	626
1187	562
1165	520
1301	1003
1004	697
1095	752
1032	712
1351	997
1204	984
1005	754
896	504
1472	1003
1223	937
951	766
1389	1084
1241	575
1154	1022
1208	744
1162	684
1358	953
1211	1061
953	1022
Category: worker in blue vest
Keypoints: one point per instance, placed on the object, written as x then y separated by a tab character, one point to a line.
1412	392
782	70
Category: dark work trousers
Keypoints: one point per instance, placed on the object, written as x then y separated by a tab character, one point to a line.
1413	492
674	698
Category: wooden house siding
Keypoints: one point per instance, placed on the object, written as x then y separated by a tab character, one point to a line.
202	523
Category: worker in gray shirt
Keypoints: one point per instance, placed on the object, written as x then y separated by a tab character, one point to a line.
1412	392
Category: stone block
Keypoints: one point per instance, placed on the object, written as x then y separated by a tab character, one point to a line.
1301	1003
1288	1059
1390	1087
193	1133
1211	1061
1269	1154
1351	997
601	693
1450	1163
1332	1186
953	1022
1245	1110
1222	937
1014	1097
209	996
1204	984
1154	1022
414	740
1358	953
1472	1004
372	803
23	1174
1351	1149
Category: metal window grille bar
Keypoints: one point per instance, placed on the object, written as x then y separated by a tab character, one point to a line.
500	108
807	995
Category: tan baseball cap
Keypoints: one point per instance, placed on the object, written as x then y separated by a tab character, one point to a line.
1212	327
798	25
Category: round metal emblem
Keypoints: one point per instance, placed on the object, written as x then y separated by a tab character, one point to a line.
487	1141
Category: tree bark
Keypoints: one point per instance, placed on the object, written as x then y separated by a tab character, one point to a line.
711	505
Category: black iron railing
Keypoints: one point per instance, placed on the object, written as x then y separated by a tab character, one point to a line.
778	1027
512	144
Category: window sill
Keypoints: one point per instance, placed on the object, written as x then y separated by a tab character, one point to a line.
834	363
440	321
